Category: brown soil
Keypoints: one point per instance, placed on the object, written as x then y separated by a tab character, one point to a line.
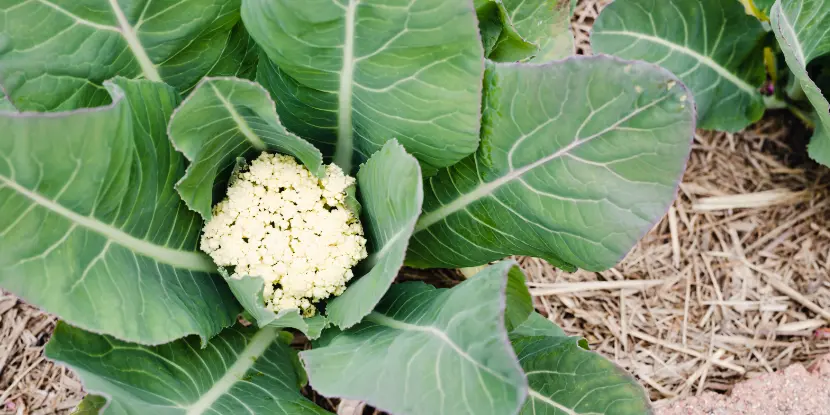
795	390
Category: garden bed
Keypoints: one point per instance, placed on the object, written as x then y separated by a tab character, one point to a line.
730	285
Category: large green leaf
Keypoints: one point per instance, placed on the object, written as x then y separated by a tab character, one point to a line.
391	194
404	69
711	45
240	371
224	119
56	54
801	27
535	30
427	351
565	378
579	158
92	229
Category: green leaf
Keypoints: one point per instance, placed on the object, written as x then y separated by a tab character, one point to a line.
309	113
564	378
240	56
6	105
711	45
92	229
489	25
579	159
56	54
222	120
801	29
90	405
534	30
241	370
426	351
764	6
519	304
409	70
248	290
390	210
537	325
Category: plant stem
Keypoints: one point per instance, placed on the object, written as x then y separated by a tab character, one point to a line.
803	116
774	103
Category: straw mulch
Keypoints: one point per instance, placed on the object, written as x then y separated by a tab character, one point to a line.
733	282
30	384
730	284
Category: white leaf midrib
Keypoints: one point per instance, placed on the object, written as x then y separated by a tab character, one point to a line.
194	261
147	66
533	394
126	31
706	60
241	124
345	130
245	360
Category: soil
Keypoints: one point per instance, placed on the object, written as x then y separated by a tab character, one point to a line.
795	390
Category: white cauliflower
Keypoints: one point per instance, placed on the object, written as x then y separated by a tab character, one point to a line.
292	229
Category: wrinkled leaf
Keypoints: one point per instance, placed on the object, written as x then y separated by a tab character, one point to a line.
248	291
801	29
391	192
426	351
565	378
537	325
579	159
56	54
713	46
92	229
222	120
404	69
489	25
240	371
535	30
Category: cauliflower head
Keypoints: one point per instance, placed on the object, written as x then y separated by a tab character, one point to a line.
281	223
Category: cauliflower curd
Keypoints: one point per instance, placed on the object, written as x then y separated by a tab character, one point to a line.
292	229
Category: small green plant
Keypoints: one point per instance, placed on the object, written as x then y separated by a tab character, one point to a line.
738	58
129	124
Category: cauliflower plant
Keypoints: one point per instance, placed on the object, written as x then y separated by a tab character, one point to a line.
292	229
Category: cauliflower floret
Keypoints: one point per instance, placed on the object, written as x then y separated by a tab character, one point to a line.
283	224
